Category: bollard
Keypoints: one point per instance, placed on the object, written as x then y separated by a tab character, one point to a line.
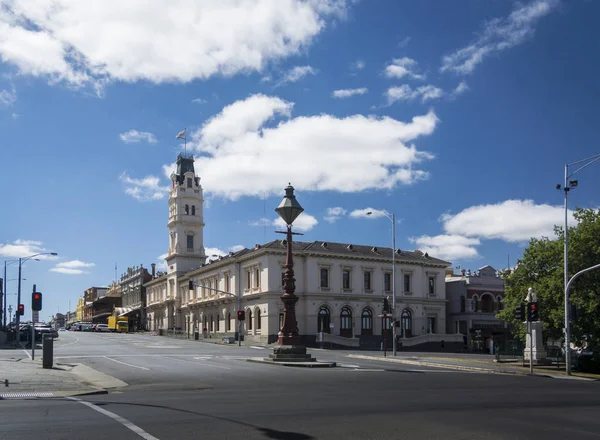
47	351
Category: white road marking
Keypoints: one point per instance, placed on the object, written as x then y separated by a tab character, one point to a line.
70	343
126	423
258	348
125	363
348	366
27	353
204	364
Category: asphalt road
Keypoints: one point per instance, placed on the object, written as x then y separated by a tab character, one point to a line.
190	390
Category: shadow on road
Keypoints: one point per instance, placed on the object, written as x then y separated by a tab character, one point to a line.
267	432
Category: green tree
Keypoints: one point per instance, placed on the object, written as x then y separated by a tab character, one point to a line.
542	267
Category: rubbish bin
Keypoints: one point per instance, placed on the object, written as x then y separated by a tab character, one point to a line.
47	351
196	335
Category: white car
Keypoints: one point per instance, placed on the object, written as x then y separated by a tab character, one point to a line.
102	328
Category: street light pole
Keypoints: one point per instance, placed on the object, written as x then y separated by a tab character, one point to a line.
568	184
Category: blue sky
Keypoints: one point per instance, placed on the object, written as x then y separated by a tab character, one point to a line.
456	116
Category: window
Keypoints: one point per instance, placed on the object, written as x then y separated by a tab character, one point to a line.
210	288
431	325
367	280
346	322
387	282
366	322
186	209
432	285
462	305
227	283
249	319
190	242
406	282
228	323
248	279
406	323
475	303
189	182
217	323
257	278
212	324
323	320
324	278
193	210
346	279
258	319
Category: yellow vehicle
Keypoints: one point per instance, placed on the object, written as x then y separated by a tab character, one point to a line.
118	324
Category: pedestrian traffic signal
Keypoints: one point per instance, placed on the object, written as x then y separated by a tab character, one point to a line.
386	305
21	310
241	315
36	301
533	312
520	312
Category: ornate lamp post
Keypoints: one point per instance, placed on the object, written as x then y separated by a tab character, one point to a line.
289	209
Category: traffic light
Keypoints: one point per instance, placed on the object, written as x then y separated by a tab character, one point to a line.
573	313
520	312
36	301
533	312
241	315
21	310
386	305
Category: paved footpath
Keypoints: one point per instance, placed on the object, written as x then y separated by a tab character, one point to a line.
20	376
465	363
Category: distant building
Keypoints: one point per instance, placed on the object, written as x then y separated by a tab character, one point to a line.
79	309
105	304
133	296
58	321
474	299
90	296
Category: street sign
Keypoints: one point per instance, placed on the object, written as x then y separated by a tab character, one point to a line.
385	315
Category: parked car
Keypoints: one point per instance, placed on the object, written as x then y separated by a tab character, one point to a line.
102	328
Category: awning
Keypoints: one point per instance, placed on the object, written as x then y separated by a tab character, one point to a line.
122	311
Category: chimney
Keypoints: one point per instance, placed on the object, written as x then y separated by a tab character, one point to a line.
153	270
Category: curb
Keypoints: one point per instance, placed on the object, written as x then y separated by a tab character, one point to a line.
294	364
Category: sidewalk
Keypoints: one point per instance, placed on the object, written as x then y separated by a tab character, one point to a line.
21	377
466	363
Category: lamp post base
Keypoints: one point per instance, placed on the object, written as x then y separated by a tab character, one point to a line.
291	353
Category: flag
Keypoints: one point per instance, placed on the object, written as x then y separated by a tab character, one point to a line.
181	134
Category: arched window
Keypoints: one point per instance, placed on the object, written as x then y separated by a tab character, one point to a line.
475	303
193	210
258	319
406	323
249	319
463	304
228	323
186	209
366	322
487	303
323	320
346	322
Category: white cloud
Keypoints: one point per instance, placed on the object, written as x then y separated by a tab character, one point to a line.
461	88
448	247
148	188
511	221
295	74
498	35
404	42
134	136
237	248
261	222
305	222
24	248
401	67
241	156
15	115
347	93
406	93
199	101
210	252
8	97
73	267
161	264
358	65
364	213
334	214
172	41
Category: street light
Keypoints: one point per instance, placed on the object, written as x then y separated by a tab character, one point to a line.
392	218
568	184
289	209
21	261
